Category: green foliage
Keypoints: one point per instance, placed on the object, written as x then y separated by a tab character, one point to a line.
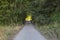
42	11
56	17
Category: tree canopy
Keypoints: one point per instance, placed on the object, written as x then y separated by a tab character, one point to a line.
42	11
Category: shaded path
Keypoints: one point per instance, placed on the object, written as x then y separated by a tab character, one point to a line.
29	33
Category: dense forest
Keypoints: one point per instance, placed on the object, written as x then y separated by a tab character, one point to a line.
42	11
45	14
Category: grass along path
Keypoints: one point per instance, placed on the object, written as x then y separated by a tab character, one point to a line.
7	33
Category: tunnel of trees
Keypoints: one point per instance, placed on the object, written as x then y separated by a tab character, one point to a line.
42	11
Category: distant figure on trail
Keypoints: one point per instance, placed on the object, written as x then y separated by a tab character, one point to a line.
28	19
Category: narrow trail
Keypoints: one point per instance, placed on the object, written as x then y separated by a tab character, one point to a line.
29	33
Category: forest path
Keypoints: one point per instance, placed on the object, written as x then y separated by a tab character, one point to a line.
29	33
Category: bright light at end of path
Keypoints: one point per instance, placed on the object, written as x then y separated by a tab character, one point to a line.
28	18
